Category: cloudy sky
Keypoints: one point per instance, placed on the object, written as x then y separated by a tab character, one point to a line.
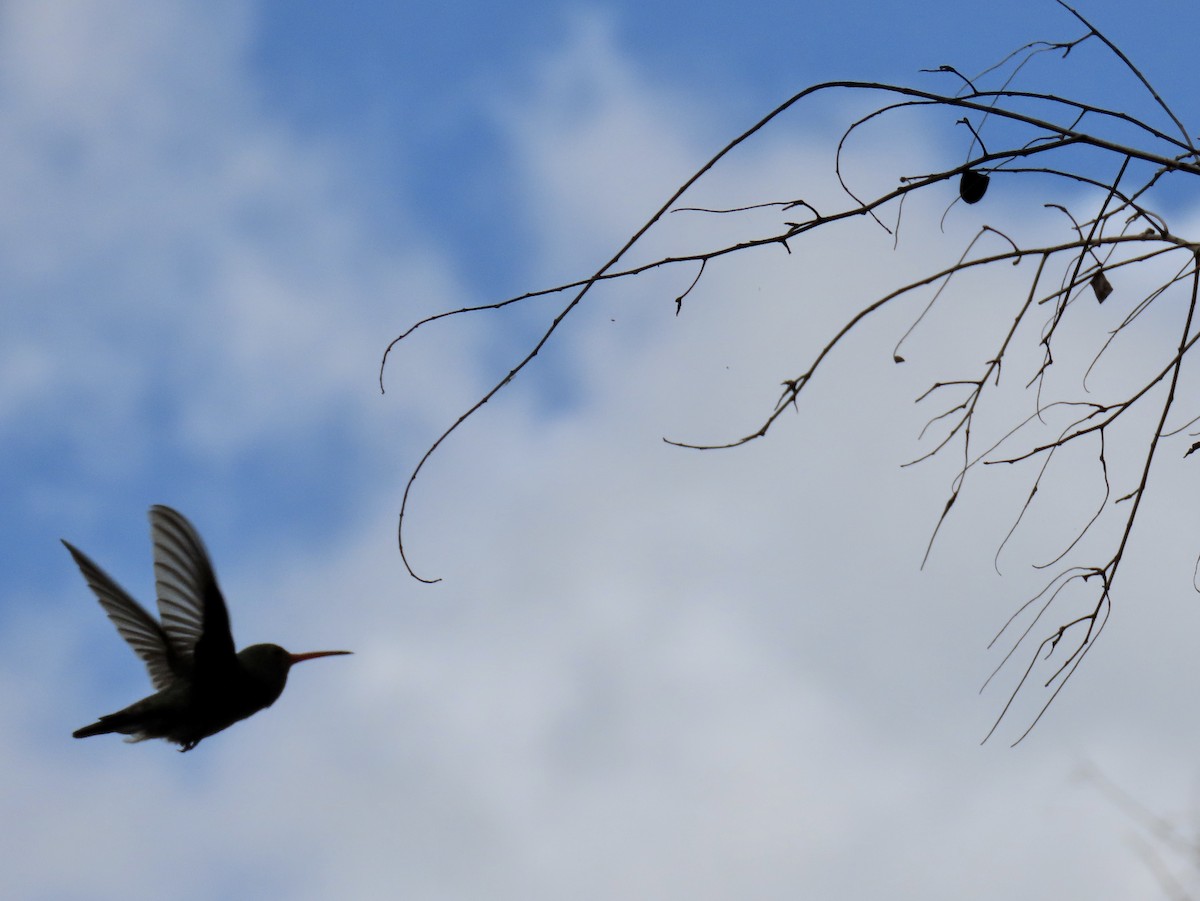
646	672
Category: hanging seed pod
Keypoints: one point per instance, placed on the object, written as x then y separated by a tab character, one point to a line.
1101	286
972	186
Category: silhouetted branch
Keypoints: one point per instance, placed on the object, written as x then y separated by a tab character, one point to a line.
1008	134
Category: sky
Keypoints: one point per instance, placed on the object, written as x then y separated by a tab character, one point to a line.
646	671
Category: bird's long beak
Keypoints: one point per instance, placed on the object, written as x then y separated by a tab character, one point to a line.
293	659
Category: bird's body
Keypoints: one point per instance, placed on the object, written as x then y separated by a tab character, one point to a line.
203	686
186	710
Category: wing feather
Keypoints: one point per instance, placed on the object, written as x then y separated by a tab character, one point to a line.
190	604
134	624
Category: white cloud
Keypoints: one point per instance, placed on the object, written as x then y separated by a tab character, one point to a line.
650	672
164	228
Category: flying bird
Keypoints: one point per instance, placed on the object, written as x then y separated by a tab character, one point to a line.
203	686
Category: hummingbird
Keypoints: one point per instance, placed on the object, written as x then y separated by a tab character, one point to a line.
203	686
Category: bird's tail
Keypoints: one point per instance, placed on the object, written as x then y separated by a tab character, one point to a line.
97	728
114	722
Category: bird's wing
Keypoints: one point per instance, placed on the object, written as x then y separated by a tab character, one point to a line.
136	626
190	603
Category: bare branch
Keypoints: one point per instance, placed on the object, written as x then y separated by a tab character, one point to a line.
1112	162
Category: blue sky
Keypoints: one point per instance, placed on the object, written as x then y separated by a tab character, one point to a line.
648	673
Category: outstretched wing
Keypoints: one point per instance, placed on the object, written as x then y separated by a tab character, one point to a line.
193	612
135	625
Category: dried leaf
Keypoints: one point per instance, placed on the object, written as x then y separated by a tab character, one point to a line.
972	186
1101	286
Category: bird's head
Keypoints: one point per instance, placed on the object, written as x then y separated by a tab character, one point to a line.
270	662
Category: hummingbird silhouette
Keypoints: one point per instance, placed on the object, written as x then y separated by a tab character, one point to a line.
203	685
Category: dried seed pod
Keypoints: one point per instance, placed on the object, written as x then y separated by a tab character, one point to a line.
1101	286
972	186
